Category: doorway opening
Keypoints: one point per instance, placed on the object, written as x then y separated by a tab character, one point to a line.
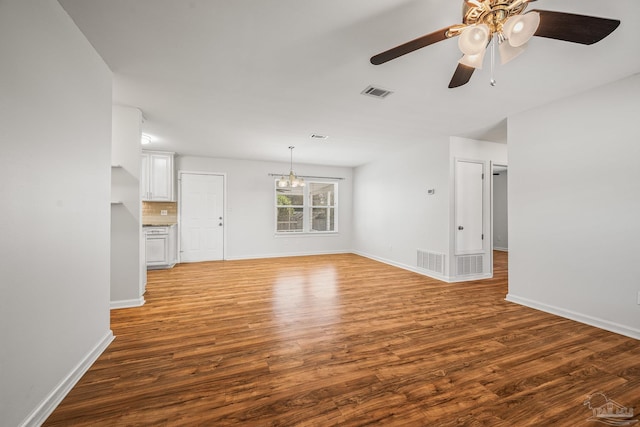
499	211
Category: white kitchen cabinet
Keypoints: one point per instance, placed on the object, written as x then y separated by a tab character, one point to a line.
160	245
156	176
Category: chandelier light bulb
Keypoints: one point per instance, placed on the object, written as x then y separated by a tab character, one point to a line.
520	28
473	39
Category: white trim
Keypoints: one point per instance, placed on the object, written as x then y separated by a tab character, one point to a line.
417	270
49	404
501	249
288	254
578	317
284	234
127	303
442	278
471	277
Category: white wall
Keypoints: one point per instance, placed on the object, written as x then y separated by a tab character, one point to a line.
55	121
127	267
574	194
479	150
393	215
250	210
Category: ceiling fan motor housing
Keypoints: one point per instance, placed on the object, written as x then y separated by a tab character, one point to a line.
493	13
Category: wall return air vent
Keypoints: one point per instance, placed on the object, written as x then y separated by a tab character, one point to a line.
431	261
376	92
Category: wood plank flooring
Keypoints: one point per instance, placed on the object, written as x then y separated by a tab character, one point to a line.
341	340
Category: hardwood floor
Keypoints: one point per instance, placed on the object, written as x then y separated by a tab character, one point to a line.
342	340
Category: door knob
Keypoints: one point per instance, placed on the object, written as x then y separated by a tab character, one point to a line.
460	227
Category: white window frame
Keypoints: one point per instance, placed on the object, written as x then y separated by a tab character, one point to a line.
307	209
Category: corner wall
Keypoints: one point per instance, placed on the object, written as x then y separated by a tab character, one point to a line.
394	217
55	121
574	204
128	270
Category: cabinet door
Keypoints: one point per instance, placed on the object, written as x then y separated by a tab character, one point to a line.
161	177
157	247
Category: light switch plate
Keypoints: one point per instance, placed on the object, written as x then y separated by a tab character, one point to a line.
163	212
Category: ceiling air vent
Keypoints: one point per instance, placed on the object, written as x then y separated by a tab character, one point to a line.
376	92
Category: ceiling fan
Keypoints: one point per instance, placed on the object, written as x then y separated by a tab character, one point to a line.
503	23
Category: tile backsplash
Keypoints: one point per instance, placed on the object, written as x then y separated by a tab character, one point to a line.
152	213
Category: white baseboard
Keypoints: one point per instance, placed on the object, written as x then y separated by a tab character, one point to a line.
286	254
500	249
578	317
420	271
441	277
127	303
470	278
49	404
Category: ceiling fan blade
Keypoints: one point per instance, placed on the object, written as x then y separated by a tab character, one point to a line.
574	28
461	76
409	47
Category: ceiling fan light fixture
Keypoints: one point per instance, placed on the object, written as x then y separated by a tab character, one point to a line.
474	61
508	52
503	20
473	39
520	28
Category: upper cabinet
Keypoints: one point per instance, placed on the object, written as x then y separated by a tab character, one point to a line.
156	176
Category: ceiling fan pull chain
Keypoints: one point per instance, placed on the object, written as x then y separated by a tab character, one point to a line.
493	59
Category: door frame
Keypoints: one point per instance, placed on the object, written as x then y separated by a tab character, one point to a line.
456	208
453	253
492	165
224	209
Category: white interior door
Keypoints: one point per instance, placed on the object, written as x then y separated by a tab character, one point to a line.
469	186
201	217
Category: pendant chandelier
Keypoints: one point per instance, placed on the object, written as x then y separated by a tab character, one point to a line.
292	180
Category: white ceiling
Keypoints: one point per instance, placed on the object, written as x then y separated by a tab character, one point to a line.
248	78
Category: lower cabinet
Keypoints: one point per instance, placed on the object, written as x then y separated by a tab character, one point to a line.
160	242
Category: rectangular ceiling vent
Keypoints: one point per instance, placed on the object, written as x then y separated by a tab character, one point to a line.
376	92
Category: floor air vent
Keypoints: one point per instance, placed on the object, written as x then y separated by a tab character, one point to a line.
376	92
431	261
469	264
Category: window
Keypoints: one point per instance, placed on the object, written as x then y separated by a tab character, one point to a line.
309	209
